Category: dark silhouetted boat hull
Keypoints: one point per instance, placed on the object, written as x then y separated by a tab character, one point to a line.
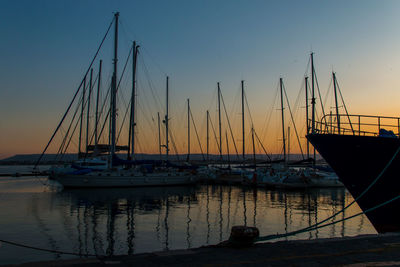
358	160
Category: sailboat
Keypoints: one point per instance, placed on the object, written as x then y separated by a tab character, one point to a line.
112	171
282	175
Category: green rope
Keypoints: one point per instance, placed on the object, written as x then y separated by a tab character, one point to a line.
316	226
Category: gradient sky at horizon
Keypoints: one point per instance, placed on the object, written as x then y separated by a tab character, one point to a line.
46	46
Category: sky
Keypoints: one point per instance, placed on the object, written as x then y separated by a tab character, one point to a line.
46	46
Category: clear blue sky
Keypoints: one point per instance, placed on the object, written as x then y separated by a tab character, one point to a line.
45	47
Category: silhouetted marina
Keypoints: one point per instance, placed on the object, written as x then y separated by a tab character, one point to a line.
132	220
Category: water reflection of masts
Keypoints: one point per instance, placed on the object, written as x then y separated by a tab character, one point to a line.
229	209
188	223
78	226
166	223
316	214
96	238
220	213
244	208
255	206
130	225
86	227
343	213
286	215
158	226
111	228
208	215
309	214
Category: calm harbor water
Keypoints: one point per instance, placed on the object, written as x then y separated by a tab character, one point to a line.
135	220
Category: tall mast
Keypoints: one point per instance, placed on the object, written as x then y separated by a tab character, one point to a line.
188	133
219	121
243	143
307	124
88	110
113	105
81	122
166	124
159	134
96	138
288	143
283	121
313	95
207	141
336	102
227	149
313	99
132	124
254	147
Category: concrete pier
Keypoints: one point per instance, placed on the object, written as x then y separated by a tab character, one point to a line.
368	250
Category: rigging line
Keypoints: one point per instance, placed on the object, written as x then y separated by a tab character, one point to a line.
69	128
259	141
123	70
150	84
108	92
248	109
93	84
173	143
328	91
297	106
269	114
155	62
230	128
145	116
76	93
215	134
356	199
294	125
80	118
319	94
198	139
145	109
345	108
70	139
123	121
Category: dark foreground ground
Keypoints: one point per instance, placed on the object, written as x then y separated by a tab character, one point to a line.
370	250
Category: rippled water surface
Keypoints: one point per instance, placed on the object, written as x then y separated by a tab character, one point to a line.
135	220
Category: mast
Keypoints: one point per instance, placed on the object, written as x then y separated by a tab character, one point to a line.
81	122
188	133
243	143
254	147
288	143
88	110
227	149
336	102
307	123
131	141
283	121
166	125
96	140
113	105
219	122
207	141
313	95
159	134
313	99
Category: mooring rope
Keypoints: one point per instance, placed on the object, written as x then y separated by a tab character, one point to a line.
318	224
